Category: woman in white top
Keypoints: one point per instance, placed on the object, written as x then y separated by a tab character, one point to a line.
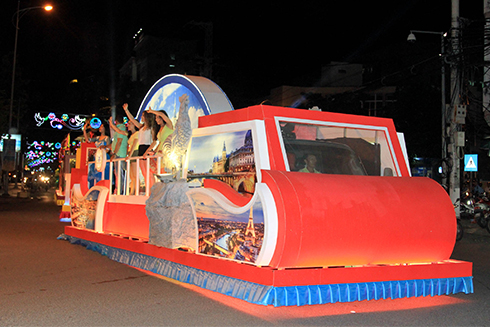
148	129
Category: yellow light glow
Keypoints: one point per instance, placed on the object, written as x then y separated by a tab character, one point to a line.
173	159
48	7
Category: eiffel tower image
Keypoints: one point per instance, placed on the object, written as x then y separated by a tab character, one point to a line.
250	226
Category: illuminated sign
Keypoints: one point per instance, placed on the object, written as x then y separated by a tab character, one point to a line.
470	162
74	123
16	137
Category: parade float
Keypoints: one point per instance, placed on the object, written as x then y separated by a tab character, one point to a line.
236	212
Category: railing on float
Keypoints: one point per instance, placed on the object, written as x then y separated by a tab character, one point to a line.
121	186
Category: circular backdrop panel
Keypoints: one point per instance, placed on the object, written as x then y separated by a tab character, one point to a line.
205	97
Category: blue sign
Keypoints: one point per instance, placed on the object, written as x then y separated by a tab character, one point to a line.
470	162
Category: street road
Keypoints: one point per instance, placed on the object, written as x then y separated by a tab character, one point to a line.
49	282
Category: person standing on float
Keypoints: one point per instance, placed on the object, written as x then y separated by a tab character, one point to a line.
148	129
102	141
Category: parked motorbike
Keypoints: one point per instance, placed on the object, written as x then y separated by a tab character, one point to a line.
460	229
482	212
476	208
467	208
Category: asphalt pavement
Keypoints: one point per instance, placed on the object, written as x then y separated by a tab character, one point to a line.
49	282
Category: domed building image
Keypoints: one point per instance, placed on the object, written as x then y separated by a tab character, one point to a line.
237	168
242	159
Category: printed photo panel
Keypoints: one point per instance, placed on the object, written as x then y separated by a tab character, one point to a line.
228	235
228	157
83	211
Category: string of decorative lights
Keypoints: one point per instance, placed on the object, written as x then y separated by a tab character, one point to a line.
39	153
73	123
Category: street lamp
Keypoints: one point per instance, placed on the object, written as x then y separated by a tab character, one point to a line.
19	14
411	38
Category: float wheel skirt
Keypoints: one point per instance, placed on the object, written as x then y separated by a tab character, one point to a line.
285	287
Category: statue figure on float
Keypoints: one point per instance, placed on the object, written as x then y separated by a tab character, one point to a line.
175	146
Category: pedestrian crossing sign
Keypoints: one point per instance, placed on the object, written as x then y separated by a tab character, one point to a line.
470	162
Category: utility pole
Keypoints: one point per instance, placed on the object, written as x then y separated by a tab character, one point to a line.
456	136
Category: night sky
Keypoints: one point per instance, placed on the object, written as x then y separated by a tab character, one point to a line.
264	44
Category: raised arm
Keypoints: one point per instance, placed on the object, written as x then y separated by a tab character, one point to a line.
167	120
85	135
115	128
130	117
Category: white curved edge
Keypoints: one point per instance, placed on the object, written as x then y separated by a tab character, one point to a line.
262	192
270	225
196	227
403	145
215	97
222	201
101	200
67	187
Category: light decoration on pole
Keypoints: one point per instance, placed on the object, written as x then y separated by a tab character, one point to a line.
74	123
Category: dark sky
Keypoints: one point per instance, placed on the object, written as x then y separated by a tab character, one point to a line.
264	43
